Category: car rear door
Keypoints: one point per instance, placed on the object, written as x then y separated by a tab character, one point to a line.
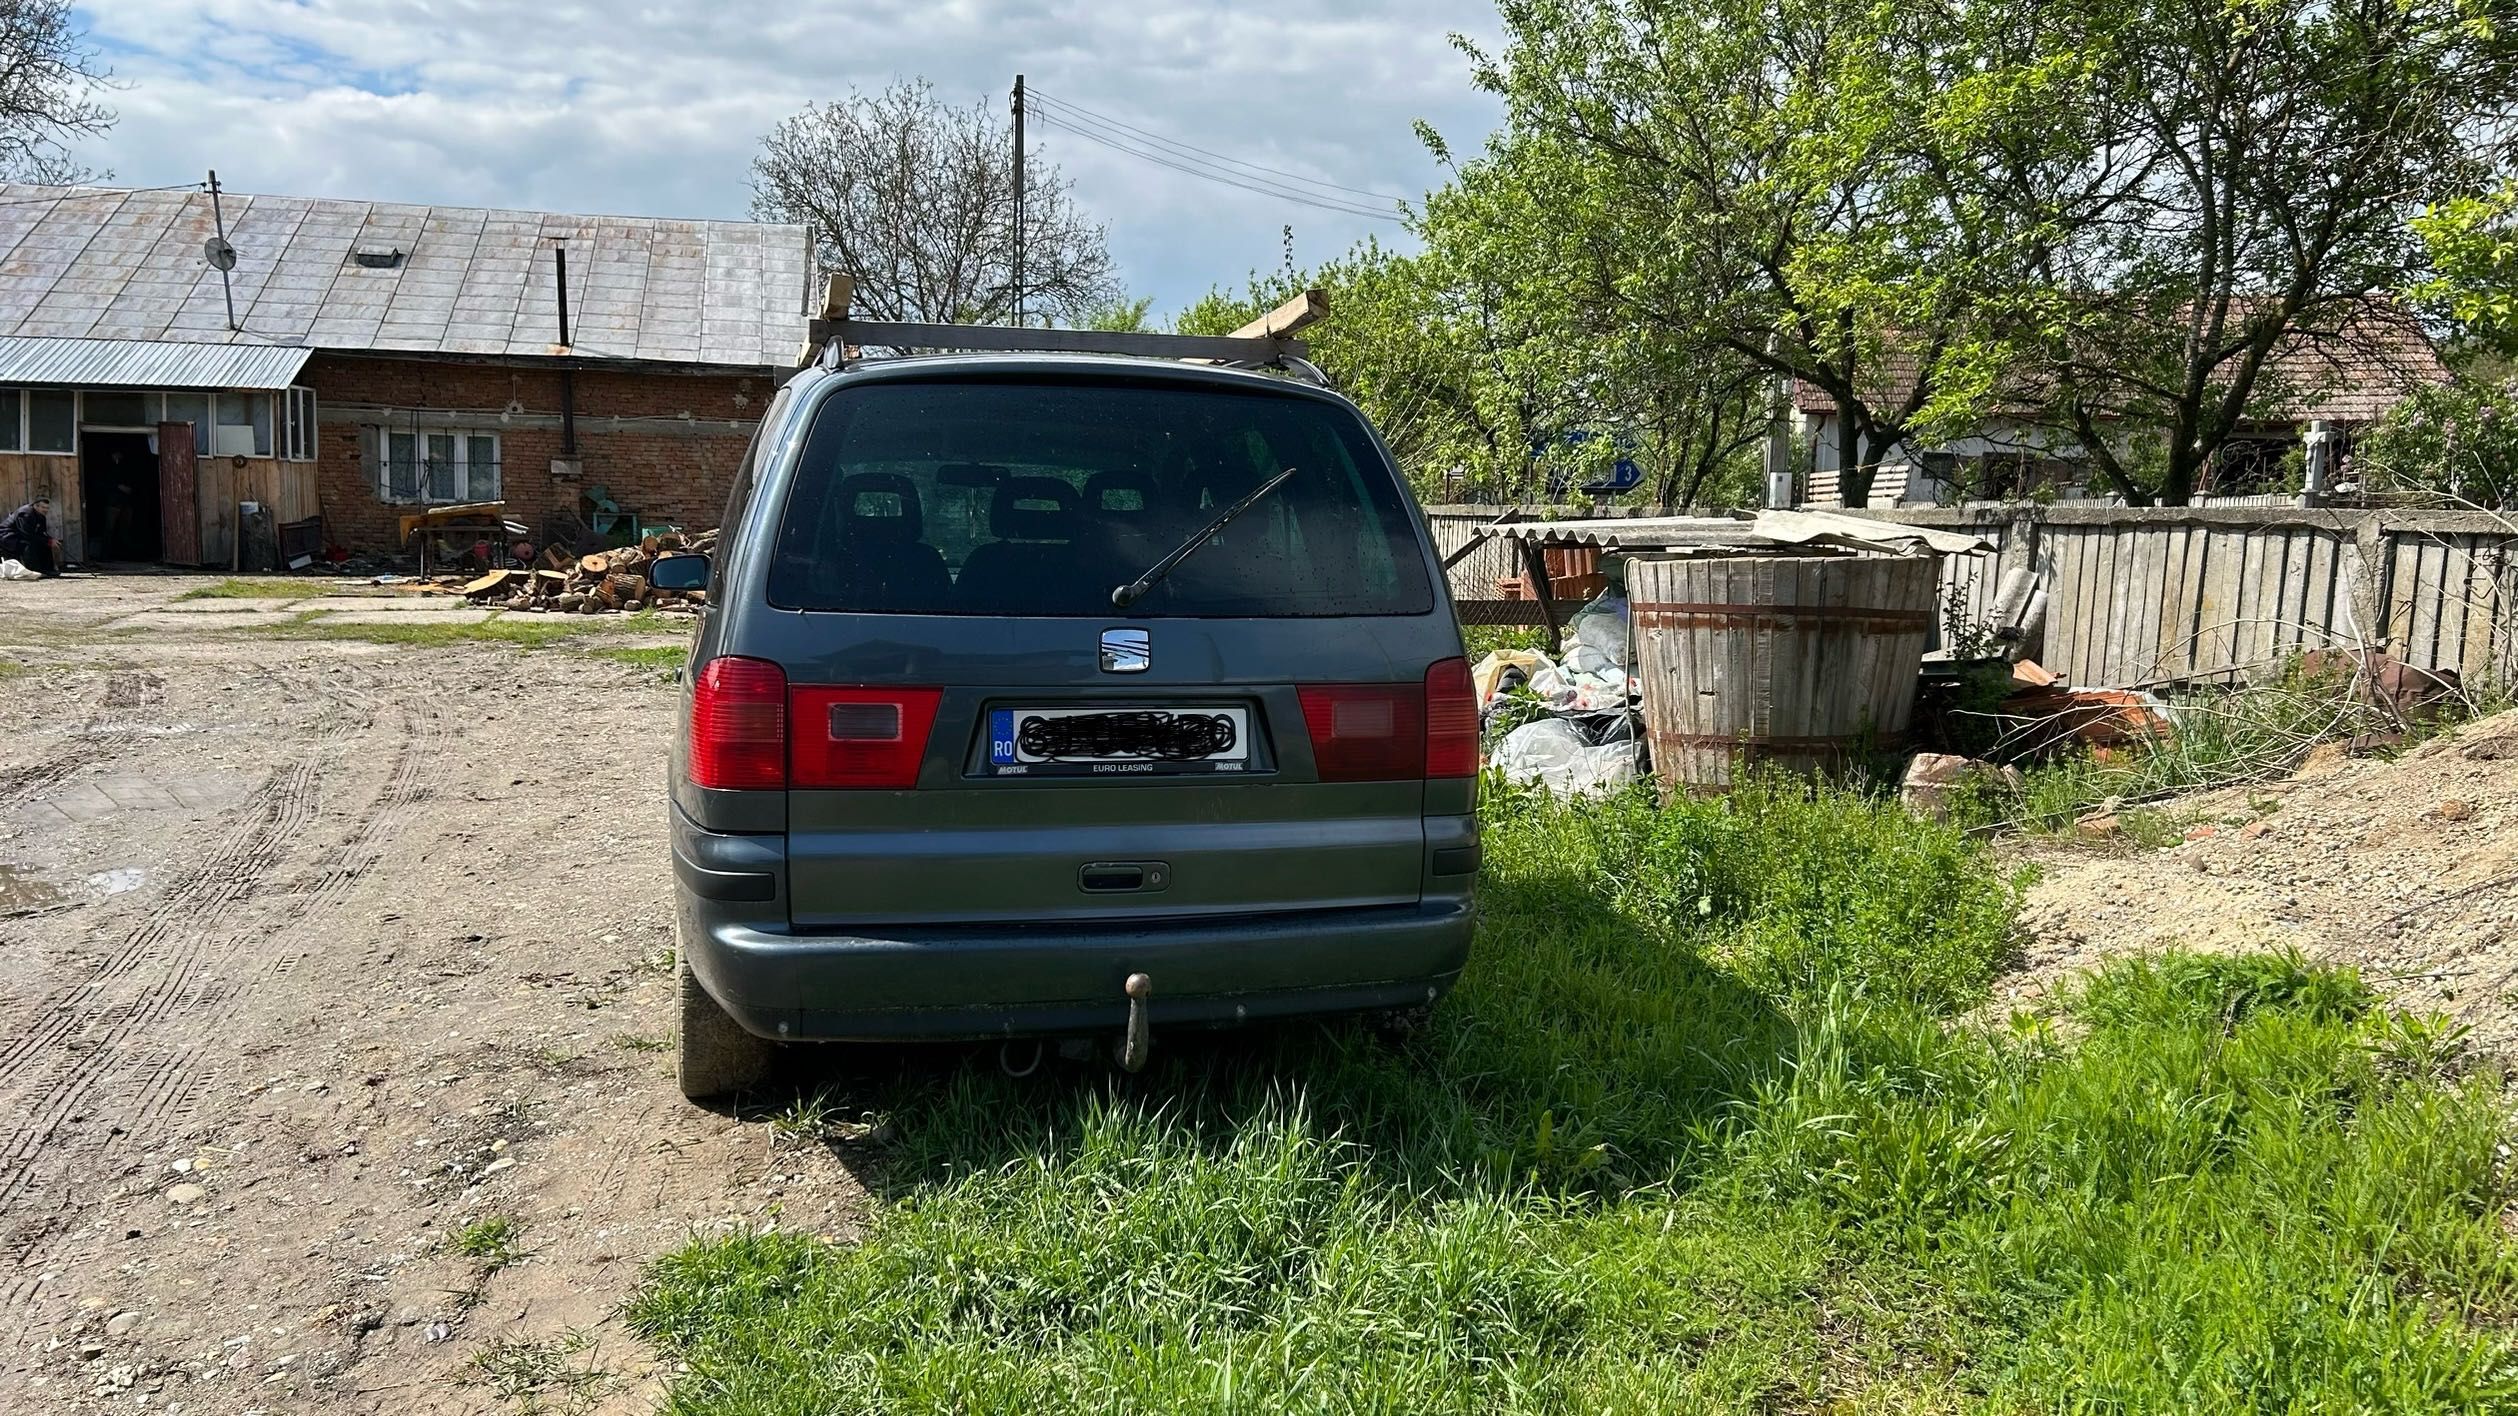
1002	746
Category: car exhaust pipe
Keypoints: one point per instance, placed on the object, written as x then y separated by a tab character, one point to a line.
1009	1051
1138	1040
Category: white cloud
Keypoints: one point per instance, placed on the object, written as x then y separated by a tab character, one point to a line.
657	109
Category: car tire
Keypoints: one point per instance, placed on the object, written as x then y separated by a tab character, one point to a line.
717	1058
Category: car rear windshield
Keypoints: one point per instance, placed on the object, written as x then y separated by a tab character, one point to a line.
1040	498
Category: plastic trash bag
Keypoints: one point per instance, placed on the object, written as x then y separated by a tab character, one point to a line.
12	570
1492	673
1555	754
1600	627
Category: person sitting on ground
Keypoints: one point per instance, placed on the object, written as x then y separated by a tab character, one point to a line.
26	537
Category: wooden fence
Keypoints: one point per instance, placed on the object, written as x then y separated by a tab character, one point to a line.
2152	595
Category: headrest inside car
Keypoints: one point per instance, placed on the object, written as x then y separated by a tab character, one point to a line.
880	506
1034	509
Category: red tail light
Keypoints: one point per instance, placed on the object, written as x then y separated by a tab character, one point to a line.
1451	721
861	737
739	726
1366	732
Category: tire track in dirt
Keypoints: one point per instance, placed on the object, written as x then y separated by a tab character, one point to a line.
79	1045
171	1093
89	743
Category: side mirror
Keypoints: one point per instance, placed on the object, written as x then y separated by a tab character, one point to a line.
681	572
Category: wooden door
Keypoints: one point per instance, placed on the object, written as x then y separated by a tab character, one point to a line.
178	494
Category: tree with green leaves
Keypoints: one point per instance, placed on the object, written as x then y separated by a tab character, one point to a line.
2472	282
1390	345
1533	250
1851	195
2250	169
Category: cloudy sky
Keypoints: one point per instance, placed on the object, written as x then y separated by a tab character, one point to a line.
656	108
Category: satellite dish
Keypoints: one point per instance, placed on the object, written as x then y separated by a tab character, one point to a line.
218	253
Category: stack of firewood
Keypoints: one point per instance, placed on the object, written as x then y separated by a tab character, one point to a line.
606	582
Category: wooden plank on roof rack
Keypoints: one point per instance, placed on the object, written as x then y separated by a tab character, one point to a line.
1308	308
883	334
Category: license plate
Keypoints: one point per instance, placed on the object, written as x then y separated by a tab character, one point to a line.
1117	741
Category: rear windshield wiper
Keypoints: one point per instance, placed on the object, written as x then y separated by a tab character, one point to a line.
1137	589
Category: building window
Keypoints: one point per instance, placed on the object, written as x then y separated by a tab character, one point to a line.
52	420
243	428
439	466
297	425
193	408
12	416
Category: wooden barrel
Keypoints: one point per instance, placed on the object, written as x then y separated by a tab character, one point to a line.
1800	661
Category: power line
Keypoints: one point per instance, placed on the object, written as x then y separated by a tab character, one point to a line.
1156	138
1073	121
1067	123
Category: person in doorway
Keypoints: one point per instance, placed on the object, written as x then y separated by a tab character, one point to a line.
26	537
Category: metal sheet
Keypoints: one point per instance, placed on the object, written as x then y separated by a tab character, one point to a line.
99	261
142	363
1770	528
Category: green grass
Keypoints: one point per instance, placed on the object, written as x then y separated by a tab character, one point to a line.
1696	1132
492	1240
1485	639
523	631
249	589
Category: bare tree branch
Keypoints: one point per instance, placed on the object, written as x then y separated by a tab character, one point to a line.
916	200
48	78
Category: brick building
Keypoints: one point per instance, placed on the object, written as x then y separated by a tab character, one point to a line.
380	359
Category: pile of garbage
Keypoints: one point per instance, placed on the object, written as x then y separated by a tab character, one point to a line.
1568	721
605	582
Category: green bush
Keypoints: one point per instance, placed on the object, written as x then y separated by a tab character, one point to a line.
2459	437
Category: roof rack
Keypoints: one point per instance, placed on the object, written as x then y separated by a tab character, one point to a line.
1266	342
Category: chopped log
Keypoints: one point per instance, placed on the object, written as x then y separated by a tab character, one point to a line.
556	559
487	585
571	604
594	565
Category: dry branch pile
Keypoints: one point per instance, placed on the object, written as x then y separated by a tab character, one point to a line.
606	582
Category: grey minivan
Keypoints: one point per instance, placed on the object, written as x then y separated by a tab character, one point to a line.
1046	696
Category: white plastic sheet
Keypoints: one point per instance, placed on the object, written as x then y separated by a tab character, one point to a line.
1554	754
12	570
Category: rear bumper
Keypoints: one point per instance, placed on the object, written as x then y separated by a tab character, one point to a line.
963	983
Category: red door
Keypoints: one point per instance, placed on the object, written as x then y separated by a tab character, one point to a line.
178	495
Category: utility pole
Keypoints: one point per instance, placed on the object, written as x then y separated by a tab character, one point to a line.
1018	199
219	218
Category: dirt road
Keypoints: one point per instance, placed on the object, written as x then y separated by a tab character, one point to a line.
318	960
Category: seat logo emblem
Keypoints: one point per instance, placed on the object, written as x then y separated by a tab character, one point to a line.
1127	651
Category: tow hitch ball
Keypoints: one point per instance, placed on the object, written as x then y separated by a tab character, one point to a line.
1139	1039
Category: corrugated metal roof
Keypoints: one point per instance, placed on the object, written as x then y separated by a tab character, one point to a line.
146	363
101	263
1716	534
